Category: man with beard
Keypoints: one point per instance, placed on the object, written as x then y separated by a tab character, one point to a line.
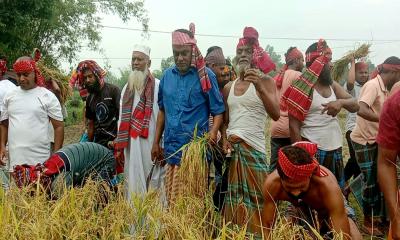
280	135
188	95
102	103
310	188
313	101
372	96
357	77
248	100
137	122
25	118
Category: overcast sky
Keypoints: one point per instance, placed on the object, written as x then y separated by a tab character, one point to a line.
358	21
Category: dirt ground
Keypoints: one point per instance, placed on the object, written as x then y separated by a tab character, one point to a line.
72	134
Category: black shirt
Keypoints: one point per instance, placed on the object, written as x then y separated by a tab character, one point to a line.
103	109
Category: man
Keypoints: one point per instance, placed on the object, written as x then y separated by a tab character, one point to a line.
372	96
309	187
280	135
248	100
137	122
388	140
215	60
5	86
357	77
102	103
70	166
25	117
188	95
313	101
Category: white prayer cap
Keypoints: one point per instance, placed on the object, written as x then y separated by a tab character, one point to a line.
142	48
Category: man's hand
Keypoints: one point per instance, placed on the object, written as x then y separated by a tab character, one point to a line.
254	76
120	158
395	224
156	153
332	108
2	156
227	146
213	137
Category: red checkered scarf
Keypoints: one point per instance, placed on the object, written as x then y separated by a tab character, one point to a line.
301	172
3	66
298	97
179	38
27	66
261	59
390	67
78	81
292	55
137	123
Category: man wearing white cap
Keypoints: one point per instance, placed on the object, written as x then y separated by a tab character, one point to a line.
137	122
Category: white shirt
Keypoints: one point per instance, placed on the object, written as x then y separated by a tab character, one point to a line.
351	117
5	87
247	117
322	129
28	113
138	161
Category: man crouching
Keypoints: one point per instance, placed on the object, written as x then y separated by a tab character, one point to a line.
69	167
309	187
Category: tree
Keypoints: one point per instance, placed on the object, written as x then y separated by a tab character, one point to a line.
167	63
59	27
119	81
276	58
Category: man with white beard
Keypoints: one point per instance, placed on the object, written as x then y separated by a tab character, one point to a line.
137	123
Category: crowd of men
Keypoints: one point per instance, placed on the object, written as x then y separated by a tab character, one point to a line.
146	124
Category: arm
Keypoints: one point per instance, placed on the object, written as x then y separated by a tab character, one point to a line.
344	98
338	215
351	77
294	128
217	122
367	113
3	140
91	130
56	89
224	126
268	215
58	133
387	176
156	152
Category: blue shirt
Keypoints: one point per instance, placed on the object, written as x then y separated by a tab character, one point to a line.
186	105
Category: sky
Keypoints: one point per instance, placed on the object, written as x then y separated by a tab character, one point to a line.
344	23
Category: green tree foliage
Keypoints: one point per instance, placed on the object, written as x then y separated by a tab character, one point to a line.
59	27
167	63
276	58
119	81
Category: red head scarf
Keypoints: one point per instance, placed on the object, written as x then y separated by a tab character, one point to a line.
77	79
3	66
301	172
261	59
390	67
292	55
298	97
180	38
28	66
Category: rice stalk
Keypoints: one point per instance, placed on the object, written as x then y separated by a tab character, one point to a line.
340	66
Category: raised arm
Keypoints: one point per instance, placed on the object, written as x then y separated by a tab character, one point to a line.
294	127
351	77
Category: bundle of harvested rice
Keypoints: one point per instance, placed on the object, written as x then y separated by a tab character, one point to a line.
194	167
341	65
53	74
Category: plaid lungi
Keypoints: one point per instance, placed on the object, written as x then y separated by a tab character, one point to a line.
173	183
372	198
244	199
333	160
